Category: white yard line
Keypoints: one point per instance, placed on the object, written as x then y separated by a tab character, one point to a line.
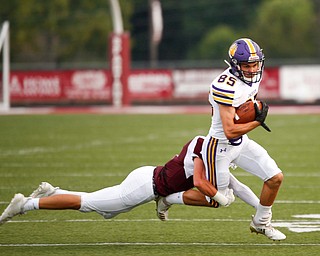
158	244
317	222
300	224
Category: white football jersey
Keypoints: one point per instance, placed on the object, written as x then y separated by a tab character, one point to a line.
228	90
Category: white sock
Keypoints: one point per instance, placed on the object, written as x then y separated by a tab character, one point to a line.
31	204
263	215
176	198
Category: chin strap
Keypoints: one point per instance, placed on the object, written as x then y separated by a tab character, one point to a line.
227	63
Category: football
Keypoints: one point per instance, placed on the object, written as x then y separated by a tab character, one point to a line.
246	113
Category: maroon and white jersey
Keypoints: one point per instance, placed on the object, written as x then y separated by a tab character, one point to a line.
177	174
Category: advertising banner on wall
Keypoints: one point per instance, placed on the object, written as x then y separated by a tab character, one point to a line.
194	83
60	86
300	83
181	85
270	85
35	86
87	85
150	84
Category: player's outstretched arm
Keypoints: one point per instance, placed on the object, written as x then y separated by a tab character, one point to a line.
204	186
195	198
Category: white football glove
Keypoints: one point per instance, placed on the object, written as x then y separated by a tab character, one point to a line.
230	197
224	200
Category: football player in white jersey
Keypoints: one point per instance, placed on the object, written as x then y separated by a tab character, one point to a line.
227	142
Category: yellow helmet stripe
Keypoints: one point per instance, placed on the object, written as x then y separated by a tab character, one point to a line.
251	46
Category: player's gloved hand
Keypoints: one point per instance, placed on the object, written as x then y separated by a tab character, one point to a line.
261	114
224	200
230	197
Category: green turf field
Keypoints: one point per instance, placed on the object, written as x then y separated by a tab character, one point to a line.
88	152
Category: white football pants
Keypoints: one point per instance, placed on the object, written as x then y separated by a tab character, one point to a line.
249	155
136	189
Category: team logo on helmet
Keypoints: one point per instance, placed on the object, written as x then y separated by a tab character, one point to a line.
232	50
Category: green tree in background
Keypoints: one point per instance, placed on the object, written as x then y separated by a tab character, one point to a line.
72	31
59	30
215	44
286	29
187	25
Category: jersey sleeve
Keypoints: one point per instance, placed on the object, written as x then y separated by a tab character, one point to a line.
221	95
197	148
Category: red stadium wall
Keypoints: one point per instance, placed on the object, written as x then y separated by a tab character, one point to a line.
144	86
34	87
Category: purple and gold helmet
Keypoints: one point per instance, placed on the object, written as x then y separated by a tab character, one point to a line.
245	50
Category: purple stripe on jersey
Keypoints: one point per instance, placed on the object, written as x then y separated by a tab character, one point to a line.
221	90
223	96
223	103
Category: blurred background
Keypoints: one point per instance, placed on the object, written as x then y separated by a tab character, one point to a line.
60	35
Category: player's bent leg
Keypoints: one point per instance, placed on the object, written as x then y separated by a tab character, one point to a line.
243	192
60	202
256	160
136	189
268	194
270	189
104	200
21	204
261	222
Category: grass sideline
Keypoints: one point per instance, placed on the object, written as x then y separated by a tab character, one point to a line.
88	152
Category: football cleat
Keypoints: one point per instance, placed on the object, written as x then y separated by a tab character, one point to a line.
268	230
44	189
162	208
14	208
